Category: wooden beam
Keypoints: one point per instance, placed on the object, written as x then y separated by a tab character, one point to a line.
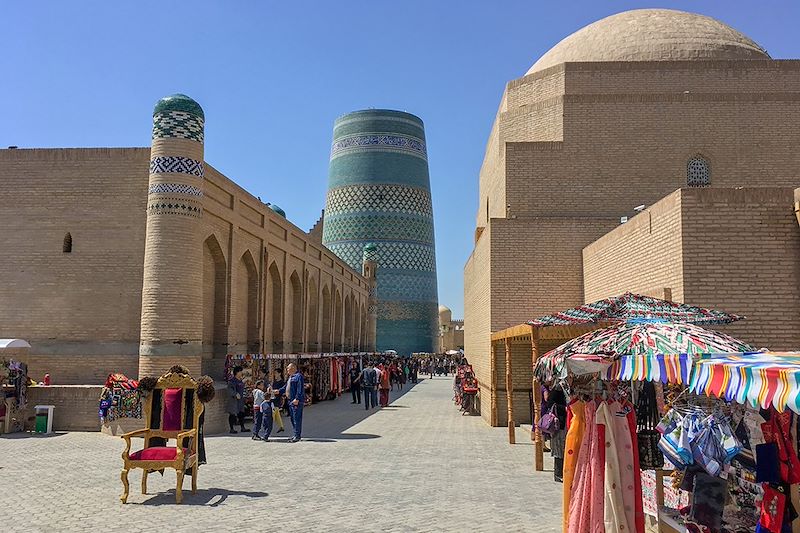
493	388
510	395
536	433
520	330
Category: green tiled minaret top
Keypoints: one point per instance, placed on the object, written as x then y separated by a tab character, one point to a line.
178	102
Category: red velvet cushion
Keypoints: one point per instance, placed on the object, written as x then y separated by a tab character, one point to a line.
157	453
172	410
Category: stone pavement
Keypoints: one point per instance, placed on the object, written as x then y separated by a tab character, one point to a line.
417	465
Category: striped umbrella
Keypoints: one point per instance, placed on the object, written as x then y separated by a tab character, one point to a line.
641	340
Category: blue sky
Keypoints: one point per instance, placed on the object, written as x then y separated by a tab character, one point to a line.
272	77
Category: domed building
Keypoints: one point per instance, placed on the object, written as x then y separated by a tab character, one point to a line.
651	151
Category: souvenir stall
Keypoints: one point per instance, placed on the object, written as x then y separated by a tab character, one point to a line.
325	374
120	398
14	383
544	333
612	426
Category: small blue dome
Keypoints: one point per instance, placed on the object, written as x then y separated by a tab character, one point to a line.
179	102
277	209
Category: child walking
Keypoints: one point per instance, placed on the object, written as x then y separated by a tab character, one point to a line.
262	410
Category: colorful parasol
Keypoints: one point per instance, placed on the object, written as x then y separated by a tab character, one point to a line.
637	338
630	306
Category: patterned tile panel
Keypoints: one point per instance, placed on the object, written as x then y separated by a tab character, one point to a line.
174	188
175	206
380	227
178	124
176	164
378	198
385	142
402	255
407	286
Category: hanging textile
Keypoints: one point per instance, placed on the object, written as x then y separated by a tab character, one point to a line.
575	429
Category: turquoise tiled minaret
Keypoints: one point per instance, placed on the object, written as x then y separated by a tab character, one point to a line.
379	193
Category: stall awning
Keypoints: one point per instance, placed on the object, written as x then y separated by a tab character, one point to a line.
8	344
631	305
757	379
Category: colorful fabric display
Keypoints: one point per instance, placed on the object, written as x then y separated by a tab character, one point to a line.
772	510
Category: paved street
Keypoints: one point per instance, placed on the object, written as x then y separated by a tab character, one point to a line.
417	465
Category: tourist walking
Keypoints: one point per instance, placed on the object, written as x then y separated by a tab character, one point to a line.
355	383
383	384
235	404
369	380
296	398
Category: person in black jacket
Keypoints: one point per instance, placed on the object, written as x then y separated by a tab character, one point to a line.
557	403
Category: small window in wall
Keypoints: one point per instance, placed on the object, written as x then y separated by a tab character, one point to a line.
67	248
698	172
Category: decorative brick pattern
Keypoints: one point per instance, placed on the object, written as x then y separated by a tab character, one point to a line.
178	124
402	255
174	188
378	198
176	164
175	206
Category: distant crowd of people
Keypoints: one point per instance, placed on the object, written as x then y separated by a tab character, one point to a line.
375	380
439	366
273	396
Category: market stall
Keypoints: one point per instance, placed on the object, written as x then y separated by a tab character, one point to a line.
14	383
326	374
537	336
726	433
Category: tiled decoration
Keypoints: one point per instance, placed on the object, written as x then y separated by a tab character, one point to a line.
174	188
174	206
385	142
402	255
384	204
379	198
178	125
176	164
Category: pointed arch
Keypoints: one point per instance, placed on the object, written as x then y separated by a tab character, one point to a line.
247	303
274	333
294	313
364	346
348	323
312	320
326	319
338	321
214	298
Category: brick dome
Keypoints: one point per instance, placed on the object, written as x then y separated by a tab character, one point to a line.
652	35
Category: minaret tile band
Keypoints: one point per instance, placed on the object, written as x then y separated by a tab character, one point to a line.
176	164
379	203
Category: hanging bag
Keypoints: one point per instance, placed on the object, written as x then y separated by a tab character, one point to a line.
647	436
548	423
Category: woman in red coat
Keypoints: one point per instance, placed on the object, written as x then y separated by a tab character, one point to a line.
384	386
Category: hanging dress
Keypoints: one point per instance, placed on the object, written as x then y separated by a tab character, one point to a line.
628	466
637	480
614	516
576	424
586	495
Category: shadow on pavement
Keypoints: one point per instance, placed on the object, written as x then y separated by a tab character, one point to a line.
208	497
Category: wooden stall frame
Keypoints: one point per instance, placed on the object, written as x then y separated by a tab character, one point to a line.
534	334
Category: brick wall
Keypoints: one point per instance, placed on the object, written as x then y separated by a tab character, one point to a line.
729	249
742	254
477	316
643	255
81	311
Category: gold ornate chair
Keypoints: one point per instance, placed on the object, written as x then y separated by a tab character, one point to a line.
171	412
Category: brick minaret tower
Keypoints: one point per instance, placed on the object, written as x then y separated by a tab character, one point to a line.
369	269
172	319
